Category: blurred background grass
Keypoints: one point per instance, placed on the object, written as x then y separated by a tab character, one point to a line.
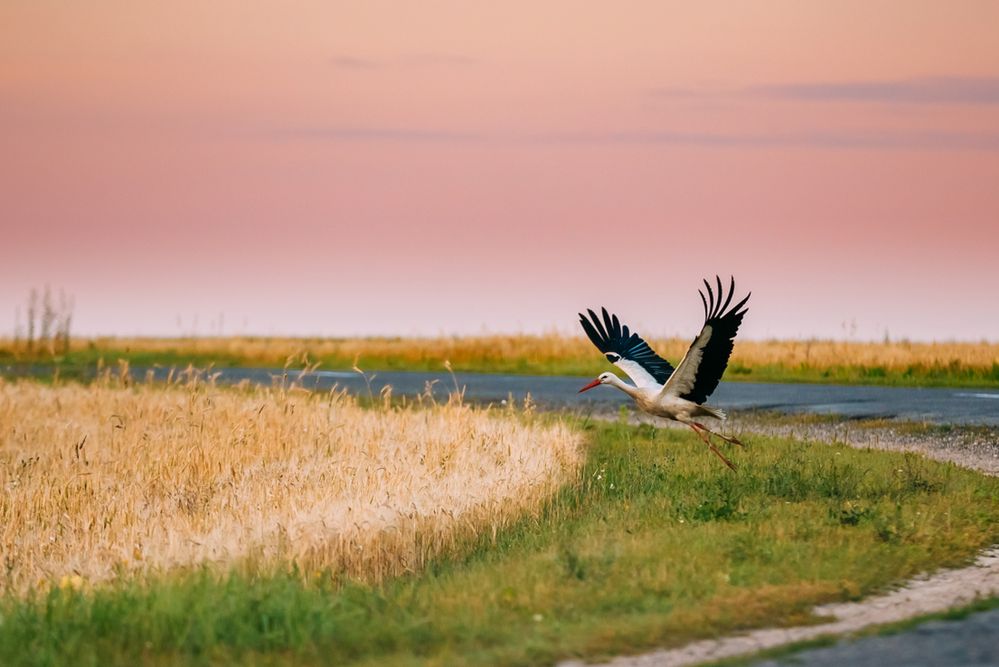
902	363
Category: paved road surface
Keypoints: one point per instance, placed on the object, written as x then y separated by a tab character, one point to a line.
973	641
953	406
940	405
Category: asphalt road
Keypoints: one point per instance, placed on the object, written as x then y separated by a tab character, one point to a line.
939	405
972	641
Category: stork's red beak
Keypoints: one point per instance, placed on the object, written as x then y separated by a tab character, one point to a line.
589	386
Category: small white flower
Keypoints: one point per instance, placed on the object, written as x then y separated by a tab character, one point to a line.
537	618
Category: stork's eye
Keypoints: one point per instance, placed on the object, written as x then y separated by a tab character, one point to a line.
611	357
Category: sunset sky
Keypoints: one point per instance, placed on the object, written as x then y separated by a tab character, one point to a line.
406	168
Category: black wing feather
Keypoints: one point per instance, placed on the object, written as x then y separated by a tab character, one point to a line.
724	326
611	336
593	334
597	324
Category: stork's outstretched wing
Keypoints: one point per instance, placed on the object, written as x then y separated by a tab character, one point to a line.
703	365
626	350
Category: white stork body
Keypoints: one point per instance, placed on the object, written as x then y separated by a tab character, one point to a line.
659	389
651	400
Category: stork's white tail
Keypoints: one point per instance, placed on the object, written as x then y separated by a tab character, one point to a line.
714	412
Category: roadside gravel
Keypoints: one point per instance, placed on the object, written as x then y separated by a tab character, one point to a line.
974	447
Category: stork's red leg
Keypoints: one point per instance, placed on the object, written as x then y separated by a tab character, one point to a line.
726	438
711	445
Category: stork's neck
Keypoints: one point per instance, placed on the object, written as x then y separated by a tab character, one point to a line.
623	386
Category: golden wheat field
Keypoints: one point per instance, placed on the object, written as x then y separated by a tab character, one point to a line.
114	477
553	348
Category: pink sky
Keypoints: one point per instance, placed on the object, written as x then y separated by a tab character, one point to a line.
457	167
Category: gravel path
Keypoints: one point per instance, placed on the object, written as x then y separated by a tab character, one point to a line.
972	641
976	448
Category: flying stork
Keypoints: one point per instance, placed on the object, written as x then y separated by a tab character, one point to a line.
659	389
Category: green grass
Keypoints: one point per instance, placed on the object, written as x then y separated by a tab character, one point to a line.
82	364
656	544
857	374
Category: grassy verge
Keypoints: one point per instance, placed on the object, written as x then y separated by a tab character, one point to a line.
899	363
655	544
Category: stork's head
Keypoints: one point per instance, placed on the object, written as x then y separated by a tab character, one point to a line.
603	378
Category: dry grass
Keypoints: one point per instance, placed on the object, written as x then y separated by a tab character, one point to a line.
893	355
542	352
114	478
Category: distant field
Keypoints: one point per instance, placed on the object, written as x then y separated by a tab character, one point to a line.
822	361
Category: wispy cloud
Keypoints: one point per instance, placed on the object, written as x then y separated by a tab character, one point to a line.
925	90
888	140
842	140
425	59
354	133
928	90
